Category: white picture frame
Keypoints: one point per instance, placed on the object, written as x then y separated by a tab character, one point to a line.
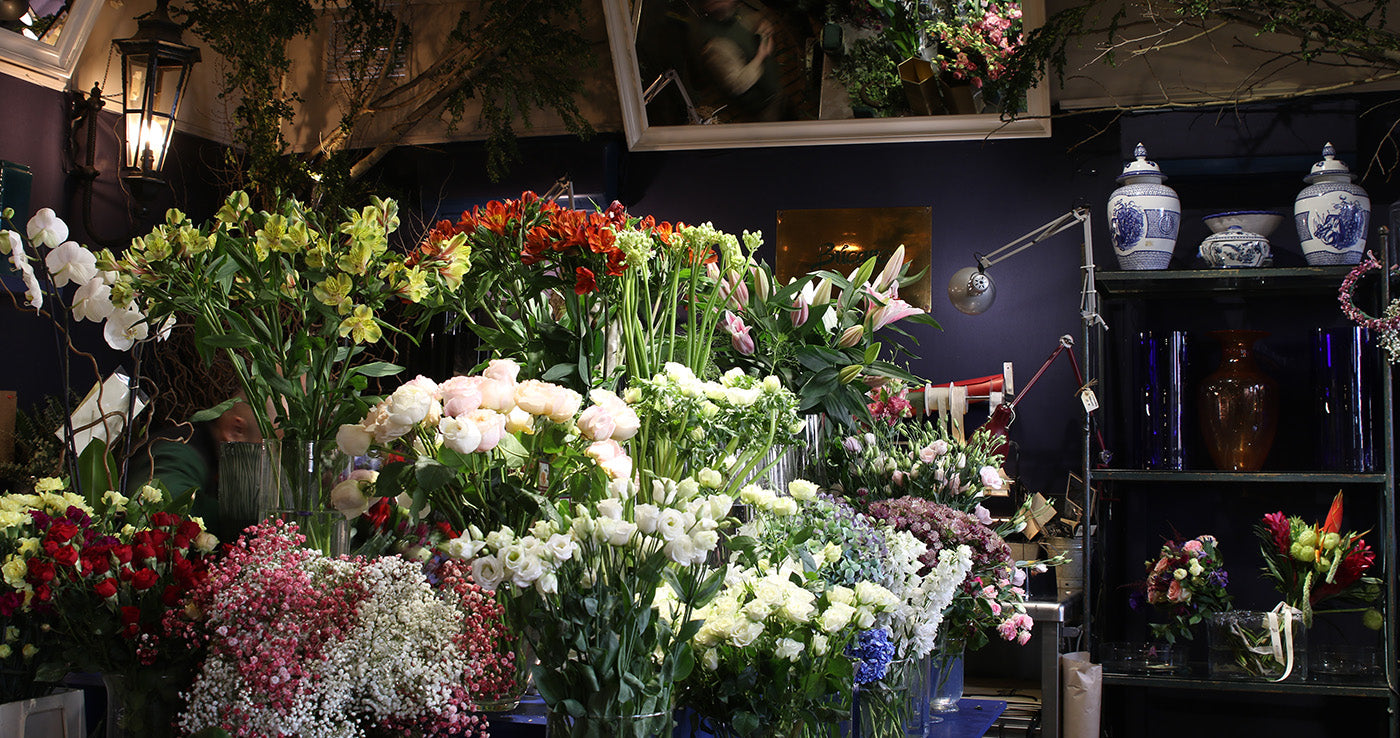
46	64
643	137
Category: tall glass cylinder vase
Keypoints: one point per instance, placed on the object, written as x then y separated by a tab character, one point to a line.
142	704
895	706
945	675
1345	369
286	479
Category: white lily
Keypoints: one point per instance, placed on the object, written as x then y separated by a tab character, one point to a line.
47	228
93	301
124	328
71	262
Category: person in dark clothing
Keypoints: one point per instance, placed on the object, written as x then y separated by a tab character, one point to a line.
737	56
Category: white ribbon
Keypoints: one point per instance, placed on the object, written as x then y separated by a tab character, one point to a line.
1281	618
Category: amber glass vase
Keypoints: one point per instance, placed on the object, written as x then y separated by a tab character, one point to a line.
1238	405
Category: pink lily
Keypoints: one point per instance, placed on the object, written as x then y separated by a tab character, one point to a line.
738	333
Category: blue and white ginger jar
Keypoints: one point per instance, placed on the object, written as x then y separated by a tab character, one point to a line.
1331	213
1144	215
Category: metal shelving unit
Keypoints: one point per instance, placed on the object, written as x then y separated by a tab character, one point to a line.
1149	290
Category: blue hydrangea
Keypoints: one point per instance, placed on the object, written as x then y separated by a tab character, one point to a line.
872	653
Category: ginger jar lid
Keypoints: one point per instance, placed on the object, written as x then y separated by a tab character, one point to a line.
1140	166
1329	167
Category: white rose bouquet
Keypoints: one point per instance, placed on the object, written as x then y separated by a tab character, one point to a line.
773	647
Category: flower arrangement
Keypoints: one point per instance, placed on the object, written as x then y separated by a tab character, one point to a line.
582	581
1187	581
992	597
818	333
300	644
917	458
1386	327
293	298
100	579
976	39
1310	564
774	643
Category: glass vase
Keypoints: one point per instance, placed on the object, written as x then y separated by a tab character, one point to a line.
560	723
895	706
1243	645
945	676
283	478
142	704
1238	405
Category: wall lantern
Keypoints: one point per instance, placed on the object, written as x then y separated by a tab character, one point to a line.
155	69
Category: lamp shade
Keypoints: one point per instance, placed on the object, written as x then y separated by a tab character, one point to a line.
155	69
971	290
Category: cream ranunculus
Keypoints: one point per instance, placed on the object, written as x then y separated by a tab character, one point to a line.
596	423
460	395
460	434
492	426
353	439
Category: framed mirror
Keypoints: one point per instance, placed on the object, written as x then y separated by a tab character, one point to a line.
47	39
656	31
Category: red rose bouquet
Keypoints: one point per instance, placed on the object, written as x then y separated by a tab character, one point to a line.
1187	581
100	579
1310	564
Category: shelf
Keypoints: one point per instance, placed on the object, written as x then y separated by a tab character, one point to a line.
1168	476
1343	689
1175	282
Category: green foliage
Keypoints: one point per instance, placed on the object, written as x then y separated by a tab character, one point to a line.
871	76
38	451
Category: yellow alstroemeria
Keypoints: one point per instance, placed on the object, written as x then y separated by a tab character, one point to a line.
174	217
356	259
272	236
360	325
414	286
233	208
192	241
334	291
318	255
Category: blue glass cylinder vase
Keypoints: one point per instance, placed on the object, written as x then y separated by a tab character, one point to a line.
1345	367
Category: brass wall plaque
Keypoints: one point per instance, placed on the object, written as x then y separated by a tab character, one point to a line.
841	239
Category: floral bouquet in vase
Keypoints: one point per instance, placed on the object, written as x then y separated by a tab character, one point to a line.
774	649
1312	564
103	578
1187	583
991	599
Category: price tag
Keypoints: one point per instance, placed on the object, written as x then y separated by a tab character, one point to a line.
1091	402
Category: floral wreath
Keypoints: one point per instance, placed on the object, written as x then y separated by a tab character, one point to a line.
1387	327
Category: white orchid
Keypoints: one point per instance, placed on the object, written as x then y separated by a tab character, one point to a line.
47	228
71	263
32	293
124	328
93	301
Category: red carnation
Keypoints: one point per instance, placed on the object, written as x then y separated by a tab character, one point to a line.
378	512
106	588
66	556
144	579
143	552
39	571
62	532
585	282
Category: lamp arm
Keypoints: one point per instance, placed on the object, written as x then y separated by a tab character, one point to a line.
1016	246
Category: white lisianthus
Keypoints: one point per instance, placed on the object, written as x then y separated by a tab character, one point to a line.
705	540
709	478
671	524
463	547
547	584
561	547
802	490
683	551
647	516
610	508
488	572
991	477
498	539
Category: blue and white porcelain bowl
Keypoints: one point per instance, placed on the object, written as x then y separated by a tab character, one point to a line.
1262	222
1234	248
